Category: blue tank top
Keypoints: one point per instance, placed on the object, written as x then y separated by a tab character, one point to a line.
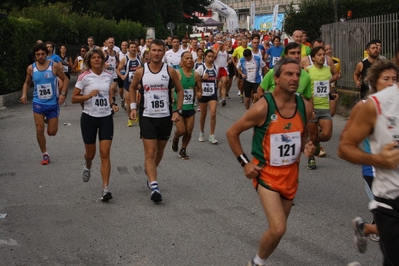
131	67
45	85
367	170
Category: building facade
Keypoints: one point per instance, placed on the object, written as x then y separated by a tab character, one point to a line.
262	7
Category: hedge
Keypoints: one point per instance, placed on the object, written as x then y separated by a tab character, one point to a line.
56	23
18	37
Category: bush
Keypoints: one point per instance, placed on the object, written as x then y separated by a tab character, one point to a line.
55	23
19	35
61	25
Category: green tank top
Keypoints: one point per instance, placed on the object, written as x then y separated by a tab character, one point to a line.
188	84
320	83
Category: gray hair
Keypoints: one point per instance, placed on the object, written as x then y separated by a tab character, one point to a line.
283	62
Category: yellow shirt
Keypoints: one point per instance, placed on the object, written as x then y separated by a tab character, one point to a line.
239	51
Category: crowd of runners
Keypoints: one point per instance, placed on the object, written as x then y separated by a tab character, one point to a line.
288	95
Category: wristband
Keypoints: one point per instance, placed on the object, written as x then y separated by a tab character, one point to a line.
112	104
133	106
243	159
63	93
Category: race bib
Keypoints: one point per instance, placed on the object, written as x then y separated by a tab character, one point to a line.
100	104
44	91
111	68
130	76
65	68
188	96
285	148
156	103
321	88
275	60
208	88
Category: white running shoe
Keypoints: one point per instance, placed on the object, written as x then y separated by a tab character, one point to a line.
201	137
212	139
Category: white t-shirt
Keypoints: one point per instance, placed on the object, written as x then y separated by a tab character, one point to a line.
173	59
98	106
250	69
116	48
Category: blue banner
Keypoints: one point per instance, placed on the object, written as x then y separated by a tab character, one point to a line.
265	22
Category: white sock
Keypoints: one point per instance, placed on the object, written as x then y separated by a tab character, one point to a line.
259	261
153	184
45	153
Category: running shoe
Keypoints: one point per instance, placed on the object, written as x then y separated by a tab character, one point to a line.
252	263
212	139
123	103
64	104
46	159
317	152
129	123
322	152
227	96
223	102
183	154
175	144
239	93
85	173
354	263
374	237
311	164
359	238
241	98
136	121
107	195
201	137
155	193
199	108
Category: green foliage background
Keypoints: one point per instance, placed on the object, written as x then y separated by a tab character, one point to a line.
17	36
55	22
312	14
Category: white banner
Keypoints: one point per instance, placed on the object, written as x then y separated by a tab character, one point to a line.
227	12
275	17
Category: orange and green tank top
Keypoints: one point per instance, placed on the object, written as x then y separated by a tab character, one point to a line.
277	143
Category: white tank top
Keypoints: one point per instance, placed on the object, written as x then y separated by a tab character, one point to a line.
156	92
386	130
221	59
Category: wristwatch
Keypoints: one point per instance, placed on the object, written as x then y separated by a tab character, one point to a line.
178	111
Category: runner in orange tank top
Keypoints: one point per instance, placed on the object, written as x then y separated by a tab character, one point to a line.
279	122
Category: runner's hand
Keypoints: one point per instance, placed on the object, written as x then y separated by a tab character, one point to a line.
251	170
390	155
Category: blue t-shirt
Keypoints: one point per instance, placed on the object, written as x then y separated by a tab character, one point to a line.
54	57
275	53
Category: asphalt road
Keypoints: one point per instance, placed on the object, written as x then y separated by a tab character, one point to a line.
210	215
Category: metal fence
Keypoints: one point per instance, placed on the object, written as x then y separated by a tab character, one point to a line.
349	38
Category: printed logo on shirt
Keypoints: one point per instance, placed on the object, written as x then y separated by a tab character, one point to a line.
285	138
287	126
392	122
